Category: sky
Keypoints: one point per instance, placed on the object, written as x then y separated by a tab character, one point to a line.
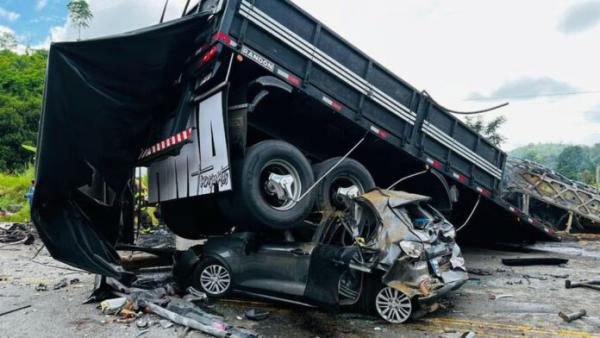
541	56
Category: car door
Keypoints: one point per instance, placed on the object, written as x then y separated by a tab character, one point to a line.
277	268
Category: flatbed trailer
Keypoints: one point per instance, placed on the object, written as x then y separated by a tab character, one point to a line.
340	92
202	100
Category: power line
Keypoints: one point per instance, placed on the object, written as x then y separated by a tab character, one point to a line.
532	96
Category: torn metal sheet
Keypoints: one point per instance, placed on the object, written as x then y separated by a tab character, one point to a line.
416	245
90	139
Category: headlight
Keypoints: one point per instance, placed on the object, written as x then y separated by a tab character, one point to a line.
412	249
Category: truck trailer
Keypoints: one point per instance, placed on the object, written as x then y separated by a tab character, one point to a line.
249	114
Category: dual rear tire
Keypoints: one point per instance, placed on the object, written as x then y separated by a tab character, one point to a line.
271	184
270	192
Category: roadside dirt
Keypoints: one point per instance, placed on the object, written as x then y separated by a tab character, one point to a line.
498	301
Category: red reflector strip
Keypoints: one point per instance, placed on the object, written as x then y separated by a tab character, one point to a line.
434	163
220	36
336	106
531	220
169	142
294	80
515	210
483	192
380	132
459	177
289	77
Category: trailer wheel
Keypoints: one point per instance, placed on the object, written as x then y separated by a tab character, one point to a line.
268	184
349	178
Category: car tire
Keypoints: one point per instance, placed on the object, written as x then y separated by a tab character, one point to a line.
252	205
213	278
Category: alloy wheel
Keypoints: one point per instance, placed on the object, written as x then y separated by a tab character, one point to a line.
215	279
393	305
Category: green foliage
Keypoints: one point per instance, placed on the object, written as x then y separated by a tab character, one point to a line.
21	91
489	130
8	40
80	14
574	162
12	192
542	153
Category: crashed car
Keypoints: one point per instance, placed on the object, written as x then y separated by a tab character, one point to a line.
397	261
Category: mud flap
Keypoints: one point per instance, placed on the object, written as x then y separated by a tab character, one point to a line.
100	99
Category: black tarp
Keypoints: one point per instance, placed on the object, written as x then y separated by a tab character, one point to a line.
100	100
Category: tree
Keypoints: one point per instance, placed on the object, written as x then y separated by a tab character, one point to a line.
21	91
80	14
8	40
574	162
489	130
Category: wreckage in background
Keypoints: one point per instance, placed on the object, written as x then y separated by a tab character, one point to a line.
397	260
548	195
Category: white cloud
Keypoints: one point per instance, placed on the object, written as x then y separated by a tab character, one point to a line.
455	48
8	15
40	4
581	16
118	16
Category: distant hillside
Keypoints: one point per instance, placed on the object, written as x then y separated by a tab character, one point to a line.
543	153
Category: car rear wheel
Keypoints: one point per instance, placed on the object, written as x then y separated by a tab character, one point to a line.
268	184
392	305
212	278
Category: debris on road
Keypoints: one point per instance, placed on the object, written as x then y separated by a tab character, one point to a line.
165	324
498	297
41	287
527	261
217	329
16	233
257	315
14	310
113	306
141	323
164	302
569	317
479	272
60	285
592	284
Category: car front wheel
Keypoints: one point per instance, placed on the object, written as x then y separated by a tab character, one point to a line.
212	278
392	305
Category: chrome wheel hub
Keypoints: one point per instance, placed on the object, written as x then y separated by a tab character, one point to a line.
282	186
